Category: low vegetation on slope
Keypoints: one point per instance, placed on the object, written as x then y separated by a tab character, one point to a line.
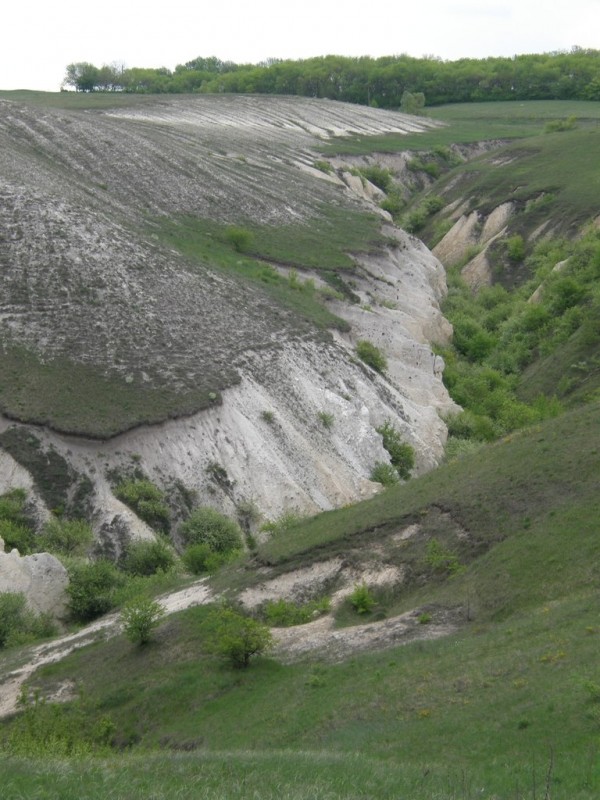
108	326
500	545
506	705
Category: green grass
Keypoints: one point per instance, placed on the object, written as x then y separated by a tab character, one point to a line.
473	122
75	398
486	707
323	244
532	472
557	163
77	101
497	709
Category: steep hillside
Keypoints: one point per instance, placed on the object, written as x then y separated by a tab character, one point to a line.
129	298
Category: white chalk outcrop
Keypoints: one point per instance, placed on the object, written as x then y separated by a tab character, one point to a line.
40	577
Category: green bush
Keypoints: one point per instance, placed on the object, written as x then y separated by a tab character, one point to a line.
147	557
66	536
402	455
200	558
515	248
378	176
139	618
12	505
235	637
371	355
440	559
323	166
147	501
12	609
560	125
385	474
240	238
284	613
17	535
92	589
433	204
207	526
361	599
471	340
14	527
18	624
394	203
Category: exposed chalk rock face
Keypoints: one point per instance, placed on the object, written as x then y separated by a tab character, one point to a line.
40	577
86	278
268	437
474	230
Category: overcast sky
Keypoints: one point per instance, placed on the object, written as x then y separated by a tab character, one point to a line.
41	37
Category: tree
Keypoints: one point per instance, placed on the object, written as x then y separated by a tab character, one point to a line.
82	76
412	102
139	617
91	589
235	637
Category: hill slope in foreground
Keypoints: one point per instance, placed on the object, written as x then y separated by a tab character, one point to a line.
504	706
182	262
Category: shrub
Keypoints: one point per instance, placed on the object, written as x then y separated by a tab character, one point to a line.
433	204
147	557
323	166
18	624
14	528
560	125
402	455
326	418
385	474
283	523
147	500
378	176
362	600
515	248
235	637
394	204
66	536
471	340
199	558
91	589
12	505
371	355
17	535
207	526
240	238
284	613
415	220
440	559
139	617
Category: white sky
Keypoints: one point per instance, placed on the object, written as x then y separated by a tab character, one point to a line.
40	37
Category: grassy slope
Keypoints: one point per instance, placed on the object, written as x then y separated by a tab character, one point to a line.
78	398
499	710
529	163
472	715
473	122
